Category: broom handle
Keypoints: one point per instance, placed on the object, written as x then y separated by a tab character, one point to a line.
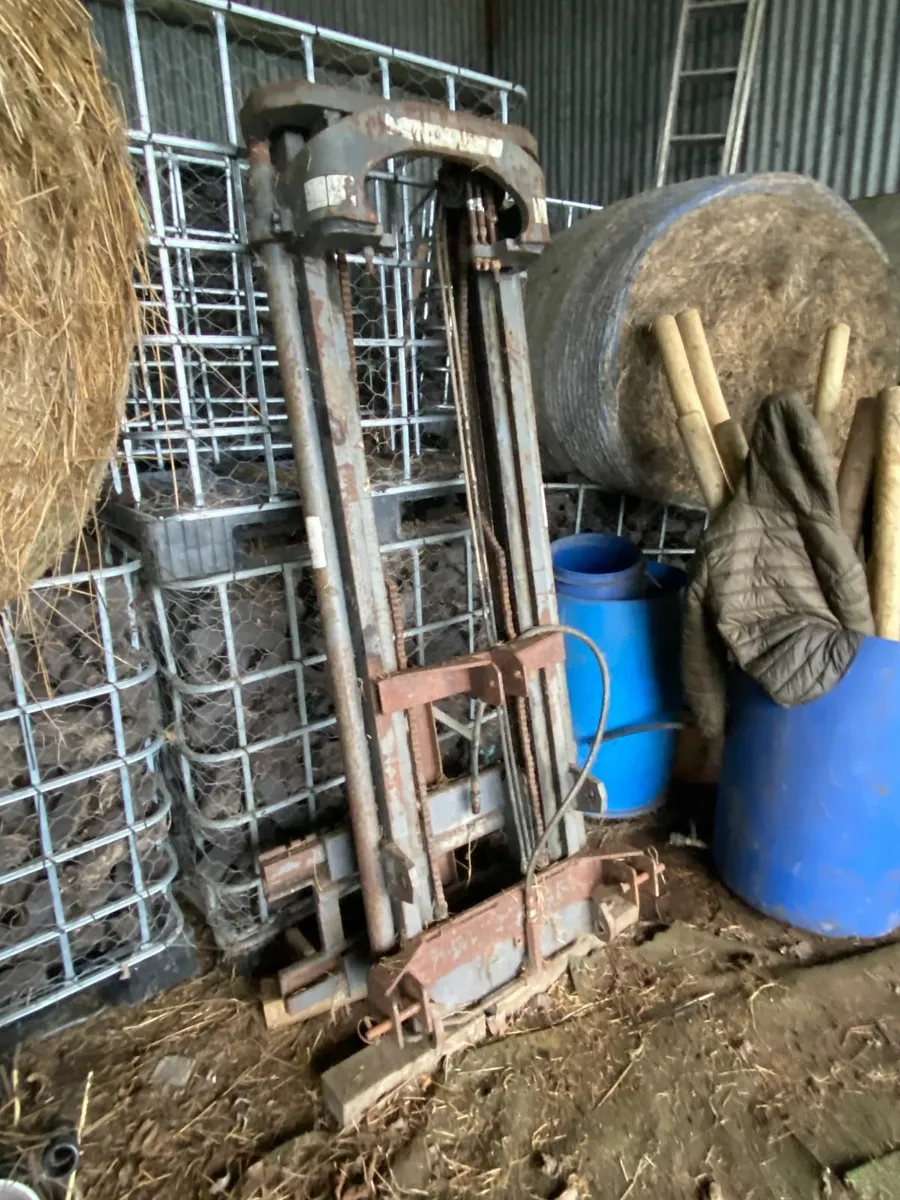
675	363
857	466
727	433
704	459
690	326
692	424
831	375
886	532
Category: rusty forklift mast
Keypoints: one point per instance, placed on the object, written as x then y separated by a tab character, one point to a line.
312	149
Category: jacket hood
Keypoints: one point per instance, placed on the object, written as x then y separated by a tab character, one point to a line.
787	436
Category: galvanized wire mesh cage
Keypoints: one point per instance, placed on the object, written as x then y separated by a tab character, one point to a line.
86	867
253	753
253	746
205	404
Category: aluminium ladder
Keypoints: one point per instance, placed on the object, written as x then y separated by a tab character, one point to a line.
690	30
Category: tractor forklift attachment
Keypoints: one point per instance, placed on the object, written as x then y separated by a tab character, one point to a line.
313	151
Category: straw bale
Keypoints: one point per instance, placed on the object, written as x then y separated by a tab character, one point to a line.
70	241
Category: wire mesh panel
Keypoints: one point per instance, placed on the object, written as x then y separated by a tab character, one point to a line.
86	868
253	749
205	410
255	755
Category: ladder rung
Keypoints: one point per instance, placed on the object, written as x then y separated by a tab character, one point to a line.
707	72
702	5
698	137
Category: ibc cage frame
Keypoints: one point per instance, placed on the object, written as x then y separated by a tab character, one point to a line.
87	869
178	154
182	138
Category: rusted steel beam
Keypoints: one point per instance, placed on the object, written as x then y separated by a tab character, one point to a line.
465	958
313	487
404	854
520	530
301	105
490	675
550	691
325	183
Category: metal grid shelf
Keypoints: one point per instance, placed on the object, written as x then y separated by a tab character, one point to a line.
204	389
87	868
252	744
663	532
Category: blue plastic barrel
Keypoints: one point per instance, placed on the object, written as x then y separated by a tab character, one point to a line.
598	566
639	632
808	813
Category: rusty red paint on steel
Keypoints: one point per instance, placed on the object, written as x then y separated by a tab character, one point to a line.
286	868
434	954
302	974
424	739
473	675
489	675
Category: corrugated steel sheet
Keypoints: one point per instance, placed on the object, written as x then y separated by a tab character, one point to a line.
828	97
453	31
826	102
596	73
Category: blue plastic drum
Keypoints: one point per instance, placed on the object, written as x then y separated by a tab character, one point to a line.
808	813
632	610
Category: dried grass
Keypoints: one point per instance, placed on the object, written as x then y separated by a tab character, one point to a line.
70	238
769	274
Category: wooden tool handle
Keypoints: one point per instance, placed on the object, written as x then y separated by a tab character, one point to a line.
692	423
857	466
727	433
675	363
732	447
696	347
831	375
886	533
701	452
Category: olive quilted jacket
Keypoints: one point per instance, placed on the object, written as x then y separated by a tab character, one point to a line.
775	582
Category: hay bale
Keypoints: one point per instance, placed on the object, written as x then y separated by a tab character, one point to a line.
70	236
770	261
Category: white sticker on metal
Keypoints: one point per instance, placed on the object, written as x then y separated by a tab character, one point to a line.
315	192
539	208
443	137
327	191
316	540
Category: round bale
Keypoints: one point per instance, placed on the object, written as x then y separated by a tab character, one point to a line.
70	238
771	261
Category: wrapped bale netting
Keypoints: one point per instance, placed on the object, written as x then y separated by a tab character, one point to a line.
771	261
86	866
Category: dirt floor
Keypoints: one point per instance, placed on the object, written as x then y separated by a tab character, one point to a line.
722	1056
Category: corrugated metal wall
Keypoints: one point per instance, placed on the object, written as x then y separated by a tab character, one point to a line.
451	30
596	89
180	56
828	101
597	72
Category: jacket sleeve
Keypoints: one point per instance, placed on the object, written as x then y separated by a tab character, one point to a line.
703	654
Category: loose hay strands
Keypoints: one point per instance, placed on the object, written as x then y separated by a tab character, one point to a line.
70	242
